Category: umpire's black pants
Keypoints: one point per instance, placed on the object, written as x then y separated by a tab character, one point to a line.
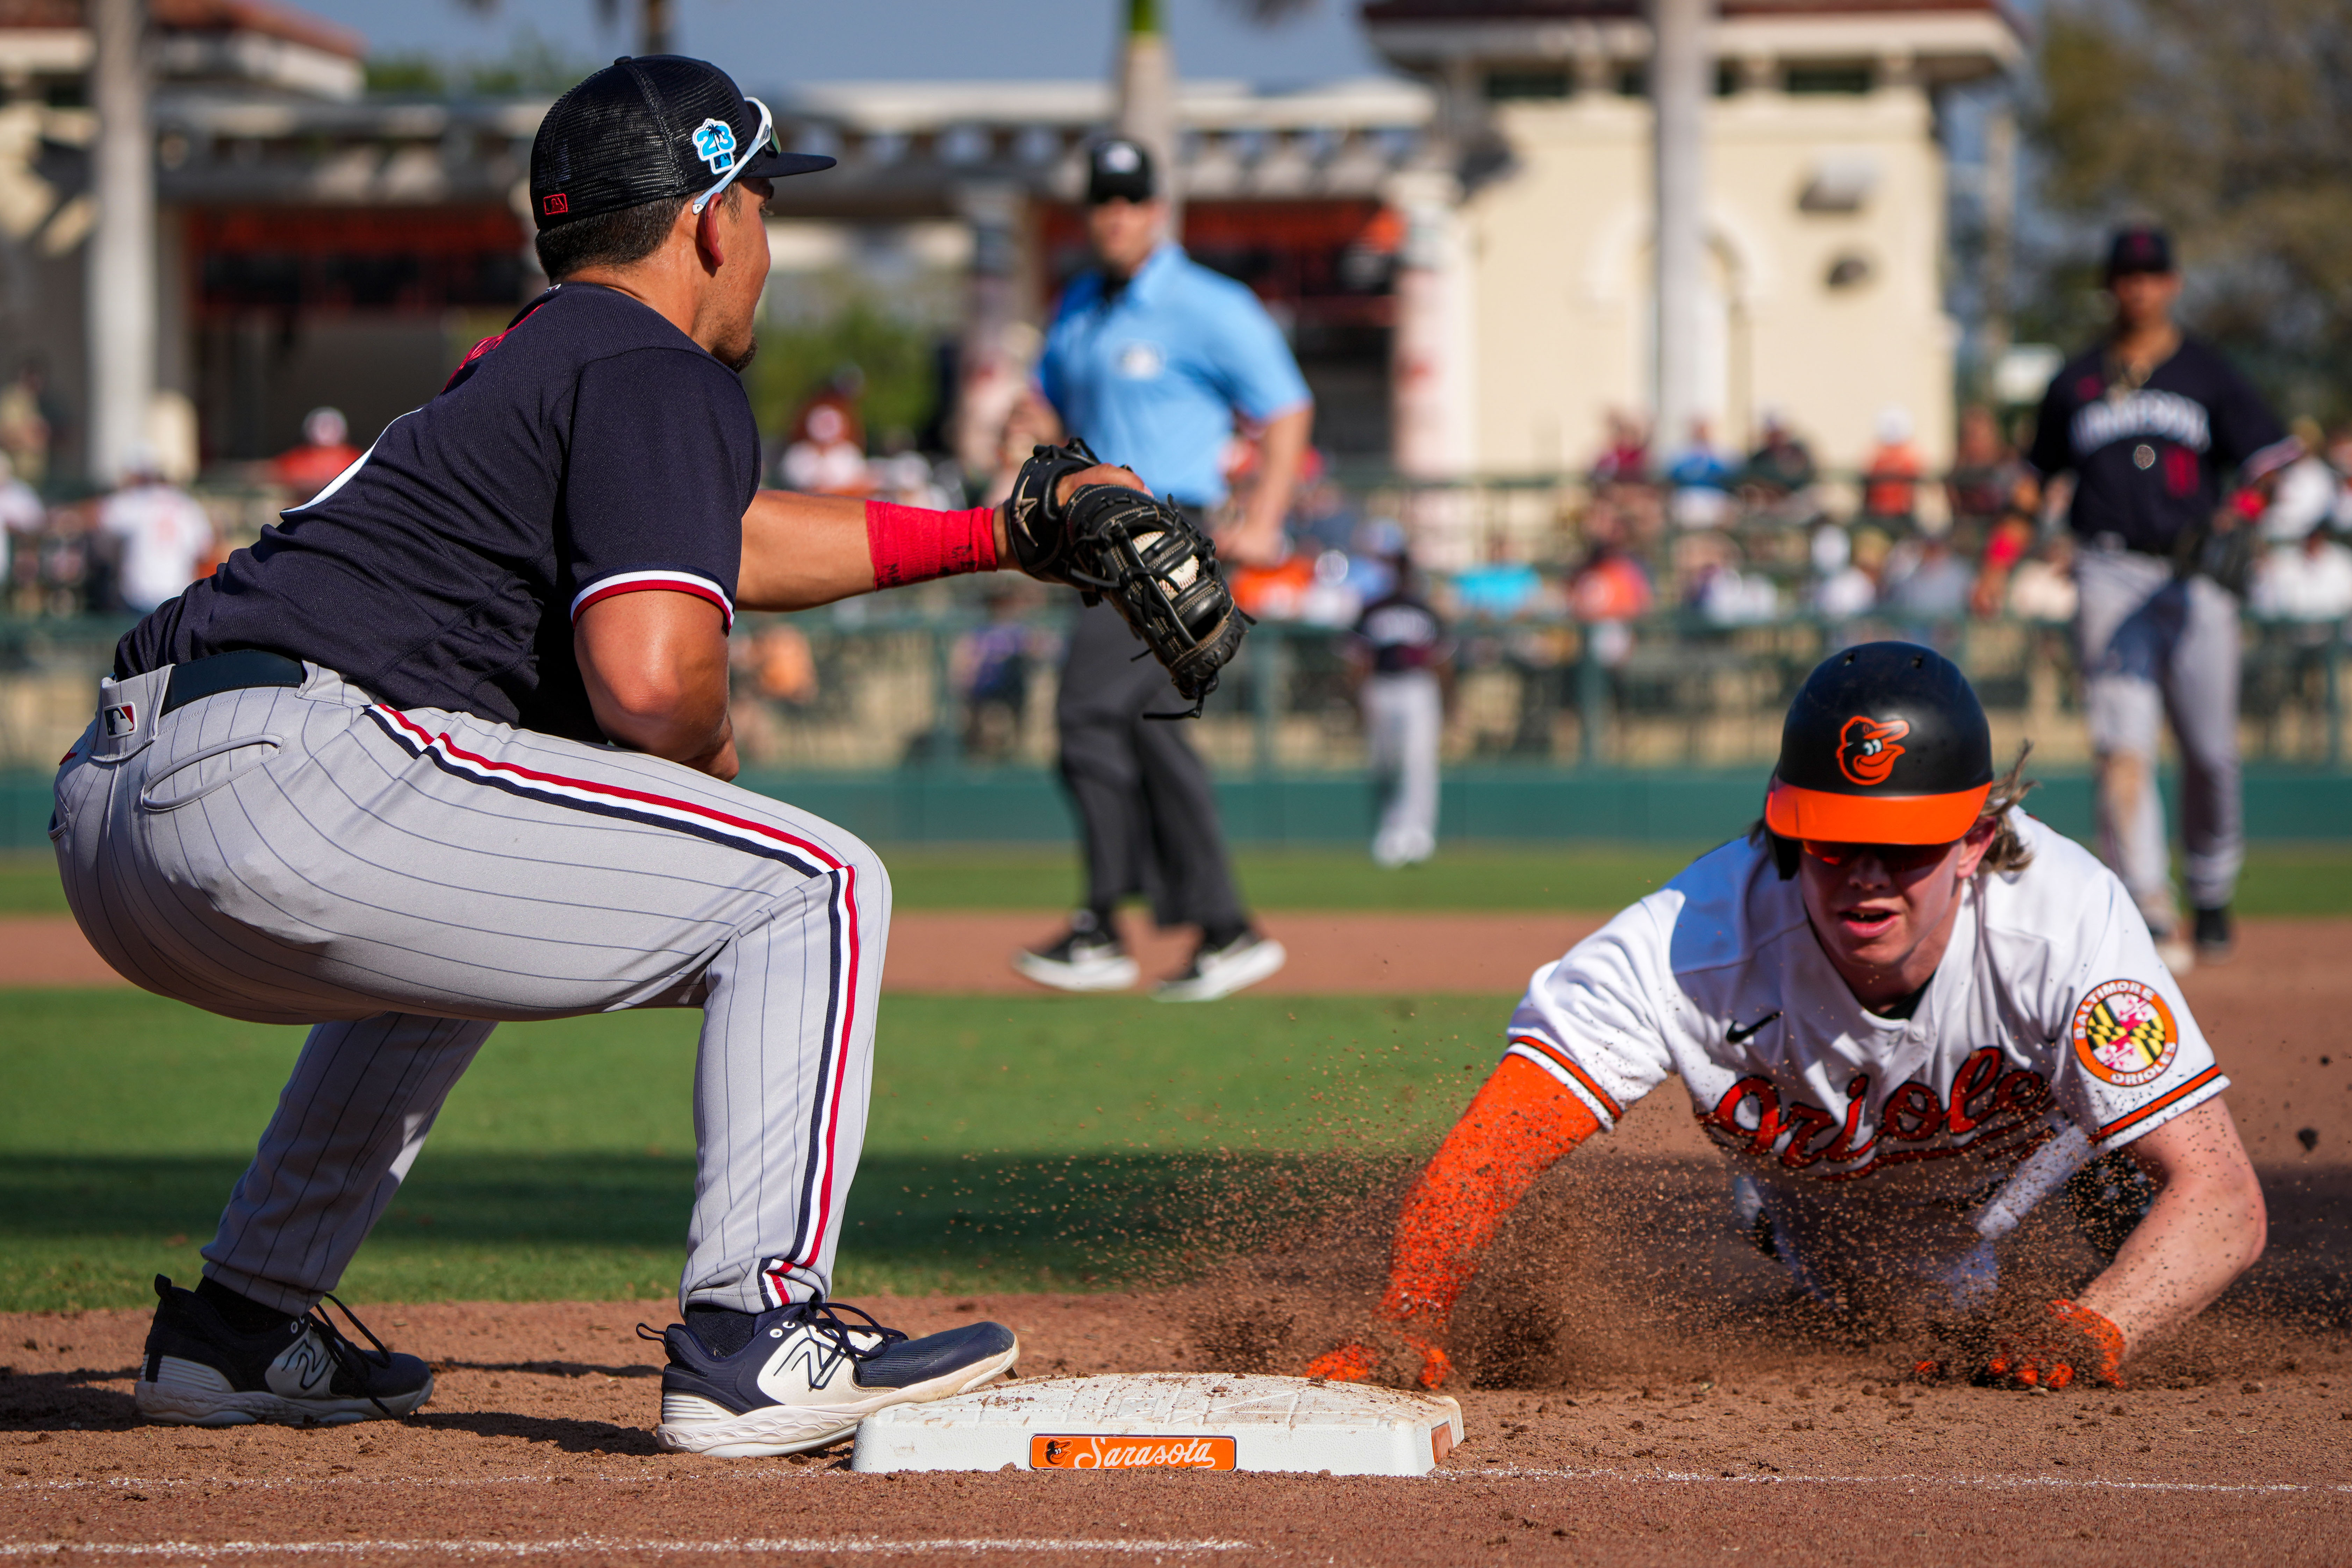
1145	807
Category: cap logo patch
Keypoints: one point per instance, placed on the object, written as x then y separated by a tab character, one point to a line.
714	143
554	201
1866	748
1120	158
2125	1033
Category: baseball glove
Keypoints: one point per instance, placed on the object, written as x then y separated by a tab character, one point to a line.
1158	570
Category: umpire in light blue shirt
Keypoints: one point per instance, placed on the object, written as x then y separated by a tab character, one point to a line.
1153	360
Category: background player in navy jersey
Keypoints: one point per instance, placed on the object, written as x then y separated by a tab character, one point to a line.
2154	426
1403	664
449	746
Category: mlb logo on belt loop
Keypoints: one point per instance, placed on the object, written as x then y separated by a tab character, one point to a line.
1056	1451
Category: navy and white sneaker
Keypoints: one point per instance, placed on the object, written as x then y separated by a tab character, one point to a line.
808	1377
200	1372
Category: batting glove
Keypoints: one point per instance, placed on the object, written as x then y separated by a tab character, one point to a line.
2072	1342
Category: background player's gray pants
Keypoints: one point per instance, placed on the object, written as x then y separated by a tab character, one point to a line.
1147	812
402	880
2154	644
1405	718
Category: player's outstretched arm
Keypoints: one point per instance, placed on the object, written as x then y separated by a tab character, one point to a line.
2206	1227
1519	1125
800	551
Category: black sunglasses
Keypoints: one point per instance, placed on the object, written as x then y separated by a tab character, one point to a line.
1900	859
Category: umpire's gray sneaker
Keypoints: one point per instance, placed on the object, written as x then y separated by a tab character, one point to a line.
1217	972
801	1376
200	1372
1087	958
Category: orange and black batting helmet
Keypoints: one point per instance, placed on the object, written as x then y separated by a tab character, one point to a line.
1886	743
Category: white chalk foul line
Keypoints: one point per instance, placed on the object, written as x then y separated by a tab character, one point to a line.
1700	1477
865	1546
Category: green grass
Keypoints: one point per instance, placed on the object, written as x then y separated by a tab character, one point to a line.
2280	879
1014	1143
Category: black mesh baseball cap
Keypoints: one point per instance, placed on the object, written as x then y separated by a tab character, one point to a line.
648	130
2138	250
1120	170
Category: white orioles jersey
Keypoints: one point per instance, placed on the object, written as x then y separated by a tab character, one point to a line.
1873	1138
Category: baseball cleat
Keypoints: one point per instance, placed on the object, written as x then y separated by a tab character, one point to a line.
807	1378
200	1372
1086	959
1217	972
2214	936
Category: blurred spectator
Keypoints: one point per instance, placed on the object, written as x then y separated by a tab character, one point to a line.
1984	479
2309	580
826	453
1714	585
164	539
1782	464
907	479
1608	589
1702	477
1927	581
26	426
326	451
1498	590
782	665
2307	492
1273	592
1625	461
22	517
1402	666
2043	586
989	665
1890	480
1320	509
2339	457
1842	588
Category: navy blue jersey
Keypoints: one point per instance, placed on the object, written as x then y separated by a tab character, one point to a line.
1402	634
2149	462
590	450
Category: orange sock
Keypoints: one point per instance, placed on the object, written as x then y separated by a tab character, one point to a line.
1522	1121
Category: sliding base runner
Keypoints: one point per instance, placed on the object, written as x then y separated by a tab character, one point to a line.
1167	1421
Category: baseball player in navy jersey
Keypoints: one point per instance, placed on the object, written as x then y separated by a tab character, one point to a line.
450	745
2154	426
1906	1012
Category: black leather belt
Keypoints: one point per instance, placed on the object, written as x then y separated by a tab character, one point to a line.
233	671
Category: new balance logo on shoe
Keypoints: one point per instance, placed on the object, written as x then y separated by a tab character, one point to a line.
304	1369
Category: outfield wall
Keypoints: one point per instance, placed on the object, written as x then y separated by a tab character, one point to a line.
1014	806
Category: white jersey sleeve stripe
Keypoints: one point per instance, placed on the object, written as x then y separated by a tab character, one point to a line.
2211	1079
1554	1060
667	581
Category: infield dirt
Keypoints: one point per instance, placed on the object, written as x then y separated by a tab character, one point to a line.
1646	1399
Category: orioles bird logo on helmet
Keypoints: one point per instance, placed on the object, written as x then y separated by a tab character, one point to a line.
1866	748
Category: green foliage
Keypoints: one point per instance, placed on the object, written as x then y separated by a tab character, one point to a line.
889	356
533	66
2230	122
1013	1143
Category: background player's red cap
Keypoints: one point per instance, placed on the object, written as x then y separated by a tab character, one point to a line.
648	130
1886	743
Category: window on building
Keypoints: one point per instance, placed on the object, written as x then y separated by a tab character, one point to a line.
1511	87
1826	80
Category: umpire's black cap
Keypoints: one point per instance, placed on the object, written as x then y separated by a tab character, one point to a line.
1886	743
1120	170
648	130
2141	248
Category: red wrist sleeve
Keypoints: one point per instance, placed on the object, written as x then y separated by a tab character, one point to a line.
909	545
1520	1122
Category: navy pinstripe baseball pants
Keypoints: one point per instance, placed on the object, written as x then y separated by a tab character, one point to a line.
402	882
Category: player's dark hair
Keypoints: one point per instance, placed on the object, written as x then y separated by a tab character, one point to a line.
614	238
